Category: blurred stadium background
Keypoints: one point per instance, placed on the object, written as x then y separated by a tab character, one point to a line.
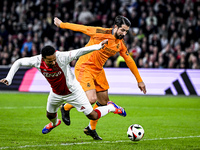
164	40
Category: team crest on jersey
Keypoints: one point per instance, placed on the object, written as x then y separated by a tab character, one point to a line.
88	85
117	46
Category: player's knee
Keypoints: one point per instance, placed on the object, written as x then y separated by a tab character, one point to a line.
93	99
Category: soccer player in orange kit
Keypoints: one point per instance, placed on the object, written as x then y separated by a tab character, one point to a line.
89	68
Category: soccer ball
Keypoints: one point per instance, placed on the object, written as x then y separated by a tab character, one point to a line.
135	132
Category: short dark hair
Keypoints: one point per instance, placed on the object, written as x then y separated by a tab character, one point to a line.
120	20
47	51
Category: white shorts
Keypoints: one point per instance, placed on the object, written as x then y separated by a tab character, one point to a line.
77	98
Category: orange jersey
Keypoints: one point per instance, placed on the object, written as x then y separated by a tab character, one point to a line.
96	59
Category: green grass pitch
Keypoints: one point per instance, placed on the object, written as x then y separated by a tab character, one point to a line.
170	123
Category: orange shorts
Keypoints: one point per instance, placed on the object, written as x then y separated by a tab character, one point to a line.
90	79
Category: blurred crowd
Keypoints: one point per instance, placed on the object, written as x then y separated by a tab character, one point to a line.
163	33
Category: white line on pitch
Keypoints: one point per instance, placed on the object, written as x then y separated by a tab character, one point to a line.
163	108
103	142
25	107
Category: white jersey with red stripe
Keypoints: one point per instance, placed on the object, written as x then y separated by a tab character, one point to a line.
61	78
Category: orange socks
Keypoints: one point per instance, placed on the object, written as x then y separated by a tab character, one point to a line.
93	123
68	107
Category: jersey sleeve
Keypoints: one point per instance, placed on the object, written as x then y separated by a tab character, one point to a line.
74	54
88	30
130	63
28	62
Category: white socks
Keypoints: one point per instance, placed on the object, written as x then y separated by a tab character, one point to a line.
106	109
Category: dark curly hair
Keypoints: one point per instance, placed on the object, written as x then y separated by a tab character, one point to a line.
47	51
120	20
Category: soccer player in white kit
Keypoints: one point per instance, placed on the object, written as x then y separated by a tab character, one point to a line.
54	65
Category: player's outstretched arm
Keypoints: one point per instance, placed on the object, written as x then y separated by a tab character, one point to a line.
132	66
4	81
88	30
16	65
74	54
57	22
88	49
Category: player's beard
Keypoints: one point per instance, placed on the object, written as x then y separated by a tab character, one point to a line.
52	66
119	36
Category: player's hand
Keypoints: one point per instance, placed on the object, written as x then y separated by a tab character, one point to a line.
142	87
57	22
4	81
104	42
